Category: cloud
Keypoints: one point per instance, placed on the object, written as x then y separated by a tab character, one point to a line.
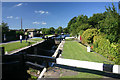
17	17
10	17
47	12
41	12
44	23
17	5
36	22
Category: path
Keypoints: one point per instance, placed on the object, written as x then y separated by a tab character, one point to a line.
9	42
15	41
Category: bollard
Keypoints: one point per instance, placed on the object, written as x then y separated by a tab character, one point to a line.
88	49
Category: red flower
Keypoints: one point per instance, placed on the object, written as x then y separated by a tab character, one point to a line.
92	47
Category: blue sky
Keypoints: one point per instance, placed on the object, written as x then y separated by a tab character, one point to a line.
48	14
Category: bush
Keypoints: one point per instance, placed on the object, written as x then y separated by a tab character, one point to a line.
81	32
88	35
116	52
19	33
103	47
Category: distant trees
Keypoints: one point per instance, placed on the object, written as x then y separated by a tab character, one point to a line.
19	33
65	30
52	30
4	27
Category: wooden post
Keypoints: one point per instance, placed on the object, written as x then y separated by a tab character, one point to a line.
2	50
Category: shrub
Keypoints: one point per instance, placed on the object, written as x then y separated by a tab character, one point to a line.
116	52
81	32
87	36
103	47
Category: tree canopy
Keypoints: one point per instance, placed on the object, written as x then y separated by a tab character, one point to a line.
107	22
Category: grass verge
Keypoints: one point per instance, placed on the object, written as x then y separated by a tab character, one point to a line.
76	51
15	45
36	39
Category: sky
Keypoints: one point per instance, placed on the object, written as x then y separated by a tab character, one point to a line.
36	15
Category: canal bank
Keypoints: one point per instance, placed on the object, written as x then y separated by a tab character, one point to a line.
21	61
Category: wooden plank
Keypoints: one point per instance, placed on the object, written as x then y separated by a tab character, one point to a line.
39	57
2	50
33	65
12	57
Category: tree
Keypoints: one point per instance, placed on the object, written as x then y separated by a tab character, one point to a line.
65	30
95	19
76	22
5	27
110	25
52	30
73	20
19	33
60	30
56	31
83	27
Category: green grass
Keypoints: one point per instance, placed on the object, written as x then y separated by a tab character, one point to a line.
69	39
36	39
49	35
16	45
76	51
84	75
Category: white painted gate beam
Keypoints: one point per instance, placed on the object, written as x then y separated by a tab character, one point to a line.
87	65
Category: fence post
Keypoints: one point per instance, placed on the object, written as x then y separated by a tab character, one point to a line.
2	50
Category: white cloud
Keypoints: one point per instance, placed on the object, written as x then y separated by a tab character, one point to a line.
41	12
47	12
17	17
36	22
10	17
44	23
20	4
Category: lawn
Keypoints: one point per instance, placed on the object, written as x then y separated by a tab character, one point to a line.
75	50
83	76
15	45
49	35
36	39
